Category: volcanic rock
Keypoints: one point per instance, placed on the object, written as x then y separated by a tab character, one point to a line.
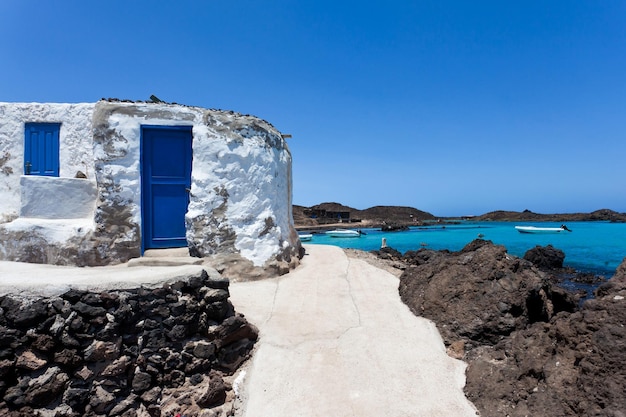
546	257
481	293
530	350
394	228
123	352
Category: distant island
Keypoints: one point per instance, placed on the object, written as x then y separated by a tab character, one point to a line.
326	215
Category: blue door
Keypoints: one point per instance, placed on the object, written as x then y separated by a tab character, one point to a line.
41	149
165	183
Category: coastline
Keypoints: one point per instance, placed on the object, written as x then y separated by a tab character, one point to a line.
592	248
323	215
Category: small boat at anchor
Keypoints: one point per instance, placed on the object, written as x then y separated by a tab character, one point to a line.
344	233
305	237
542	230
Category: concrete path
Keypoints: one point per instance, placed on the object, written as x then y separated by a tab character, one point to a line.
336	341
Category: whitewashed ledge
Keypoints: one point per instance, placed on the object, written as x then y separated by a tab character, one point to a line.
51	280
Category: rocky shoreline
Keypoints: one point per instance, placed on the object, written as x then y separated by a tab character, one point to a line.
530	347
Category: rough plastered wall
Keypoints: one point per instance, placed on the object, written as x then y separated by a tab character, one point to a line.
241	190
116	144
240	204
75	145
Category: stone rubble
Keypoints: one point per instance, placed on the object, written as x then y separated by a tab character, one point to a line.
140	352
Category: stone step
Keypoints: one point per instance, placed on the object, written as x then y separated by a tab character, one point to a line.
171	261
166	253
165	257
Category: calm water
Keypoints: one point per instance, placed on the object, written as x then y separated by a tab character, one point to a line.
597	247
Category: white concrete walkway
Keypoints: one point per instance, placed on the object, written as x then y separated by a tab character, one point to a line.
336	341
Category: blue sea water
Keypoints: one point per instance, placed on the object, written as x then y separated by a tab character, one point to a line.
597	247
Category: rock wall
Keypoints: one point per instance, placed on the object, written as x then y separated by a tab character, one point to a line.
141	352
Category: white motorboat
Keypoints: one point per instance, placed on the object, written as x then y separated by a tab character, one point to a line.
542	230
343	233
305	237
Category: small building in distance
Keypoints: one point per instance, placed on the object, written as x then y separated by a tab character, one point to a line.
327	216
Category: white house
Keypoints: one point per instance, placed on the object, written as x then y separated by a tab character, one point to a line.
100	183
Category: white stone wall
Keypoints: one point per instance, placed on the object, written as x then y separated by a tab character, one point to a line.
117	150
75	142
42	196
240	180
240	200
241	173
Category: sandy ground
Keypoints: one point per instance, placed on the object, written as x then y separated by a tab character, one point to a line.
335	340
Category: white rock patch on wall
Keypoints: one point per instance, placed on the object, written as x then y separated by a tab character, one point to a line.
241	178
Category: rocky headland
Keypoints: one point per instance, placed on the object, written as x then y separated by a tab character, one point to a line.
532	348
527	215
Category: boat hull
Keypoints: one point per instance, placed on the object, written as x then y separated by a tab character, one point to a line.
305	237
539	230
343	233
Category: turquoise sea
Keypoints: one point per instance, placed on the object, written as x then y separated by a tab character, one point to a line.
597	247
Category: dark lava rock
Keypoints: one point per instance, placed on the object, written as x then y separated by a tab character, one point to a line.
122	353
393	227
587	278
480	293
141	381
545	257
570	366
45	388
530	350
388	253
215	393
76	398
23	312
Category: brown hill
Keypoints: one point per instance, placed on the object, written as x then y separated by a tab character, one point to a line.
395	214
327	214
527	215
335	214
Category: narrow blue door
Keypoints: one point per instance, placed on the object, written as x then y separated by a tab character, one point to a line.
166	179
41	149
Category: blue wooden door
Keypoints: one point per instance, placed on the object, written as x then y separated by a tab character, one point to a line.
166	180
41	149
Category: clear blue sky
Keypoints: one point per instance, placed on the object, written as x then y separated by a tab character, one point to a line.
452	107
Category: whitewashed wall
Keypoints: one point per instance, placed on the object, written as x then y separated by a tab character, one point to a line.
241	178
75	145
240	181
240	200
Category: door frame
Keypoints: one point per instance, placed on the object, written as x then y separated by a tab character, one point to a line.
146	194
